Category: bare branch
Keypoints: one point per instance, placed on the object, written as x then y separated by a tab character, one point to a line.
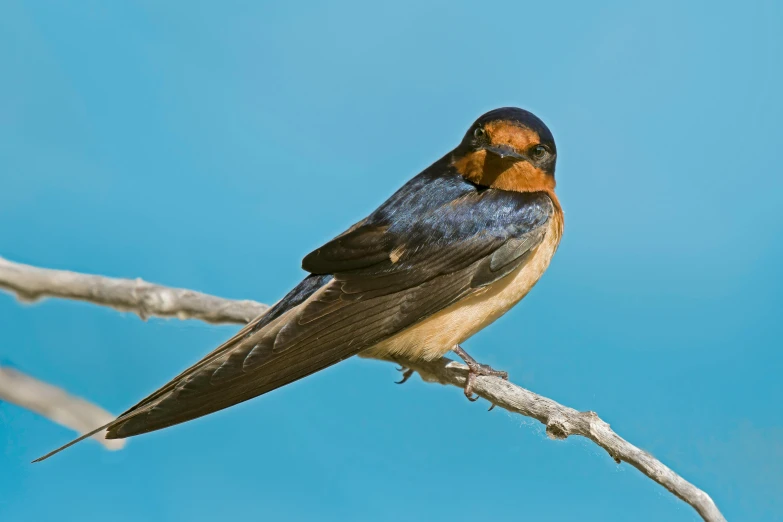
560	421
55	404
145	299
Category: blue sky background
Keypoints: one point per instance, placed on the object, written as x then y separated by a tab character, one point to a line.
212	145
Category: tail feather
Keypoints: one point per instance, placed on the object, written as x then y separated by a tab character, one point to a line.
142	417
76	440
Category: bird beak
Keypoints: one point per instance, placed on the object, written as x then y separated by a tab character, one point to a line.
504	151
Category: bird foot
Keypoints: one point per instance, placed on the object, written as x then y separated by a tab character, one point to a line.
406	374
474	370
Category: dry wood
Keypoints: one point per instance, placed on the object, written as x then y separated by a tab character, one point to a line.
145	299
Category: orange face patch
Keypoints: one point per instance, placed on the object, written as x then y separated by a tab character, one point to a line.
520	177
471	166
489	170
507	133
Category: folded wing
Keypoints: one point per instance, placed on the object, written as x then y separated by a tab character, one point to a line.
396	268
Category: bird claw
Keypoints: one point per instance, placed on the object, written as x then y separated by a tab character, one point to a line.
406	374
474	370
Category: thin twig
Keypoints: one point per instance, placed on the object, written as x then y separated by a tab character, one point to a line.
145	299
55	404
561	421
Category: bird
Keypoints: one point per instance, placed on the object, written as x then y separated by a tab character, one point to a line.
446	255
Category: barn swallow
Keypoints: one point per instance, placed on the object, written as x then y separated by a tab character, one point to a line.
451	251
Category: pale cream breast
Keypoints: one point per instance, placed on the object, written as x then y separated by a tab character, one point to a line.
438	334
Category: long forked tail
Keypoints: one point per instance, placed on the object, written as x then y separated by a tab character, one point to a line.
218	380
74	441
147	404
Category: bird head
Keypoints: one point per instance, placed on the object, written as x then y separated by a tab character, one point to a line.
508	149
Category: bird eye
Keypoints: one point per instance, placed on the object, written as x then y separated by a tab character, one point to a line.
539	152
479	132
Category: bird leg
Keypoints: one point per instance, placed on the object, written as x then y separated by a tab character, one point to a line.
474	370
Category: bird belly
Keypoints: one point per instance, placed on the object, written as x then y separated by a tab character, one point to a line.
439	333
